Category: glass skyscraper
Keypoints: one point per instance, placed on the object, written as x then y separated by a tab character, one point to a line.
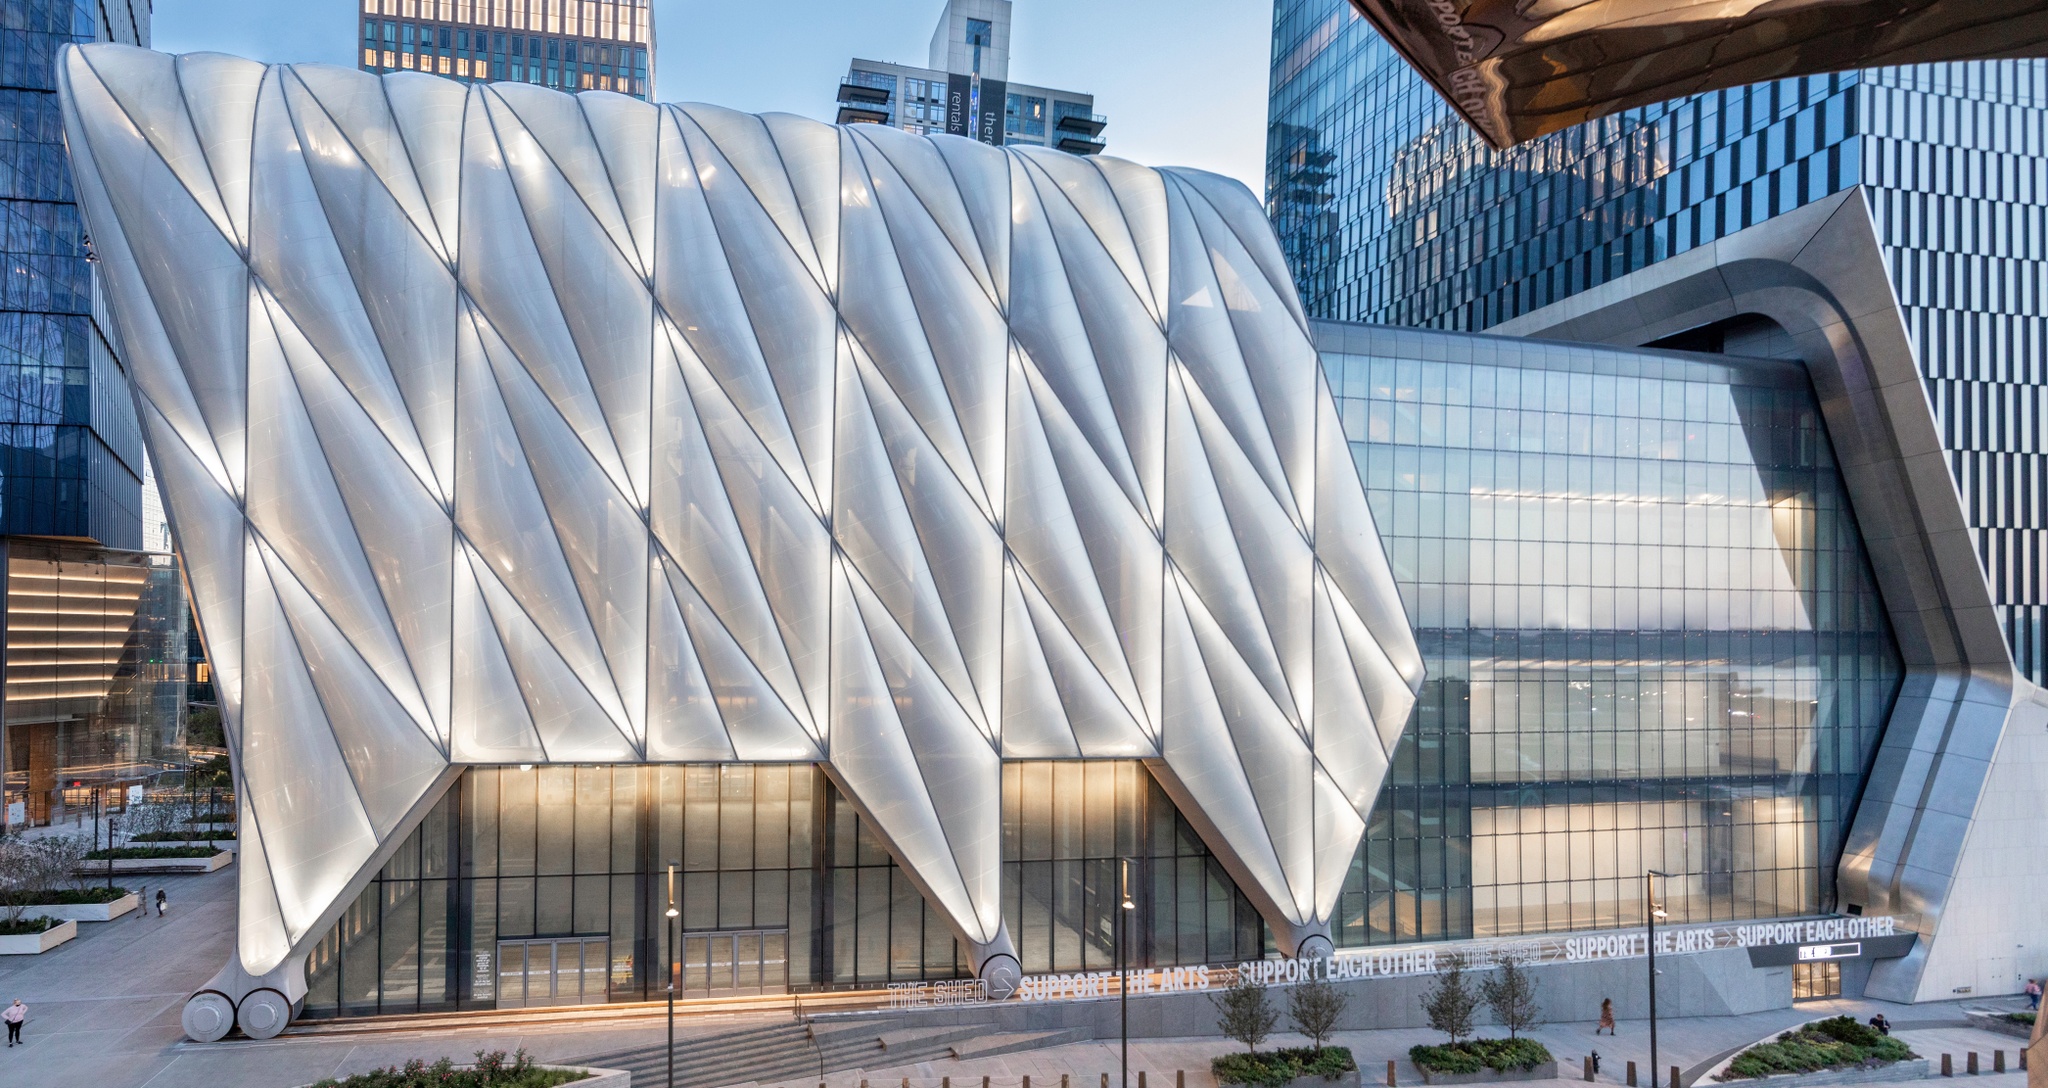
607	45
1392	211
71	457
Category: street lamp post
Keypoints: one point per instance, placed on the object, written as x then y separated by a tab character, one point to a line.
110	853
1123	976
669	963
1651	912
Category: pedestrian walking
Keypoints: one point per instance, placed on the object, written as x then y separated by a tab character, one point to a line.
2033	993
162	902
15	1016
1606	1016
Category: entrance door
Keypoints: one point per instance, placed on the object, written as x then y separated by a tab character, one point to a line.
734	963
552	971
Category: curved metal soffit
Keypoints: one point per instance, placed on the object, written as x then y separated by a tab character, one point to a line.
1517	69
499	425
1818	273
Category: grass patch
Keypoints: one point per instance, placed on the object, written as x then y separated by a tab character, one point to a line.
1473	1055
194	835
1277	1067
1836	1043
152	852
27	927
2026	1018
77	897
490	1071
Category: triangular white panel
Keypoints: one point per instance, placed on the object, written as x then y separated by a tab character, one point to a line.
222	104
357	105
148	92
261	942
625	131
760	723
298	783
743	143
1034	724
810	155
573	725
407	291
682	710
490	723
391	759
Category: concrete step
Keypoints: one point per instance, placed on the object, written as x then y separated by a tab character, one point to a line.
907	1039
1014	1042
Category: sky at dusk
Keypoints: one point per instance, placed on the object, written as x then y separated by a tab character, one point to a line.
1183	82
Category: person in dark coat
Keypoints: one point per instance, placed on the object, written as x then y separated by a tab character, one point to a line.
162	902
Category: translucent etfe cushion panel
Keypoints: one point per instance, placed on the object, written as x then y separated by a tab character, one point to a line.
742	440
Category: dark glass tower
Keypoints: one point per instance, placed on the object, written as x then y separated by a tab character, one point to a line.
1392	211
71	456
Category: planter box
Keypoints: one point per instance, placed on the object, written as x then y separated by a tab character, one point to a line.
599	1078
1313	1080
1883	1074
88	912
35	944
1546	1071
220	860
226	843
1996	1022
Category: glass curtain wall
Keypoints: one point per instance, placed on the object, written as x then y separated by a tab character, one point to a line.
1069	830
548	885
94	652
1652	634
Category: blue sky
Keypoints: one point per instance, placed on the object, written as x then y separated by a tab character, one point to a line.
1182	81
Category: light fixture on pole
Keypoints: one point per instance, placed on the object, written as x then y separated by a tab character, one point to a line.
1123	976
669	962
1652	912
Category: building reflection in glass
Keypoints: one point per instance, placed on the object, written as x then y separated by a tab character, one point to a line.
1653	636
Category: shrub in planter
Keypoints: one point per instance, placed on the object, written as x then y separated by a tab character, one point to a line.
70	897
2026	1018
490	1071
1502	1055
1277	1067
1836	1043
152	852
26	927
186	835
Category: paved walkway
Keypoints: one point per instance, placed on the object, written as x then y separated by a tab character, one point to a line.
104	1013
1696	1046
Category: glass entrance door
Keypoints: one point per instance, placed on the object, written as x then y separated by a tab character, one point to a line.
552	971
735	963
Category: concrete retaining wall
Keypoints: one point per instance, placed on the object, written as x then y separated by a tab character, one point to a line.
1718	983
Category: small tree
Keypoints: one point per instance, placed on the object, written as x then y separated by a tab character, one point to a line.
57	861
17	878
1244	1014
1511	992
1450	1001
1315	1007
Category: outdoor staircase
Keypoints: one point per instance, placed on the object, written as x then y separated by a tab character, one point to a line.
795	1054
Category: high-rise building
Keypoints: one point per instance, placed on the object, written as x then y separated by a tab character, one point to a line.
965	89
1392	210
96	628
70	449
571	45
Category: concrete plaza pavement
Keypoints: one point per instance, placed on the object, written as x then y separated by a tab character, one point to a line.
104	1013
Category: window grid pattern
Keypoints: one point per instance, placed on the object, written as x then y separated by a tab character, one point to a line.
1068	829
1652	634
1392	211
582	851
570	45
70	449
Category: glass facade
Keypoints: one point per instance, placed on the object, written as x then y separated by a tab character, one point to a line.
781	886
1652	634
94	659
70	449
568	45
1392	211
